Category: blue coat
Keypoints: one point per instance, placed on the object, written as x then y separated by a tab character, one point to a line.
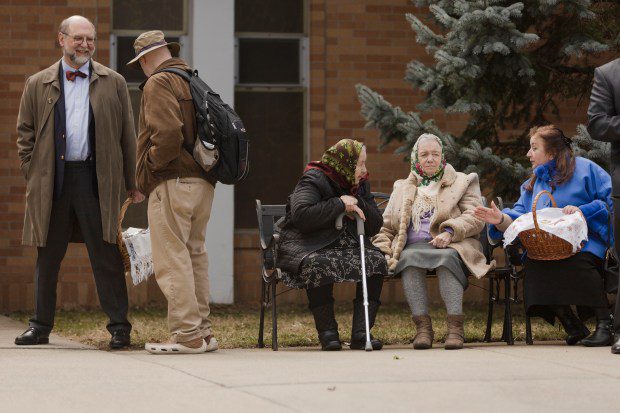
589	189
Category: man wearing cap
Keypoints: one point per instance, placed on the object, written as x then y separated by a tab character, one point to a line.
604	125
180	195
77	146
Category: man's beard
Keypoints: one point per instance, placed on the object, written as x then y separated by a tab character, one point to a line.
79	60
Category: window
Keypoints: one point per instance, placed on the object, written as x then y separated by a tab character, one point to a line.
130	18
270	97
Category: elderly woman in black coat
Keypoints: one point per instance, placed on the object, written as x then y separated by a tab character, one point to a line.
314	255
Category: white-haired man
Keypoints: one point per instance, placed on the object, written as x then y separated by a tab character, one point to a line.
77	146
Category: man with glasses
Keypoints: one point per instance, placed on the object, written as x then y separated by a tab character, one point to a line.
77	146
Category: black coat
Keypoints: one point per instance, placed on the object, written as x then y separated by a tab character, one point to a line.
604	115
311	212
604	125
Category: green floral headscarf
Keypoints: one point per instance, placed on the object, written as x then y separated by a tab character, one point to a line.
416	168
339	163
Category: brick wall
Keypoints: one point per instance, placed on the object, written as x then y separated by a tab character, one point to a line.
368	42
351	41
28	44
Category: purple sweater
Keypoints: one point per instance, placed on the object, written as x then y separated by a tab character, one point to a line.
424	234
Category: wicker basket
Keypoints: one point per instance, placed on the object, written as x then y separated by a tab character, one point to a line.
541	245
119	237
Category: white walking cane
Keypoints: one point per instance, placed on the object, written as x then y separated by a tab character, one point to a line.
360	233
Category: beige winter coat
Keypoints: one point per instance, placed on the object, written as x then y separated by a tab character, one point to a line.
115	147
458	195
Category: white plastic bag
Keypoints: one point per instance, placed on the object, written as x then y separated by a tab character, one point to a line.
138	244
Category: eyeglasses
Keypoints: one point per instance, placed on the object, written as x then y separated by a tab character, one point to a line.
80	39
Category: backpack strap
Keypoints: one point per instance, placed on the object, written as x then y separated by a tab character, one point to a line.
180	72
187	75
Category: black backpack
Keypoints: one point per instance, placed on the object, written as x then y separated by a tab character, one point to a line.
218	127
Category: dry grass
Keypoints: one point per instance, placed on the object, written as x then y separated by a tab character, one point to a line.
237	326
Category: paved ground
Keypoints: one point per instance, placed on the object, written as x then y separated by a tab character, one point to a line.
69	377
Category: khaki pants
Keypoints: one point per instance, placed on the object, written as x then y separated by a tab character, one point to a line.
178	213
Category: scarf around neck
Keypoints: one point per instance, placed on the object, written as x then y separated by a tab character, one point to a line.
416	168
546	172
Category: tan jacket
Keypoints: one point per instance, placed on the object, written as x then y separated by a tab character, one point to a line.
167	123
115	147
458	195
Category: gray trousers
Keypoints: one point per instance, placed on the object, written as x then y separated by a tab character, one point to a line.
78	205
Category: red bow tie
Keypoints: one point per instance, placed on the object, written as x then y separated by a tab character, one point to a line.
72	74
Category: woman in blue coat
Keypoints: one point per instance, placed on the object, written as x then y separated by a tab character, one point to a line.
551	287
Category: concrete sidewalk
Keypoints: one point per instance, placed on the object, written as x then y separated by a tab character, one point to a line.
70	377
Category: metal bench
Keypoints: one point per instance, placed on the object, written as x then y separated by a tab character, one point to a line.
268	217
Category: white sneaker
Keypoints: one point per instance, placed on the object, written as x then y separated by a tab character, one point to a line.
212	345
175	348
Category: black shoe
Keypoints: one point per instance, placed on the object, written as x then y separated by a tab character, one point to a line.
358	342
31	337
574	327
327	327
358	326
330	340
615	348
120	339
602	336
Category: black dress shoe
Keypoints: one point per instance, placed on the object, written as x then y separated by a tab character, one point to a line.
32	336
602	336
120	339
615	348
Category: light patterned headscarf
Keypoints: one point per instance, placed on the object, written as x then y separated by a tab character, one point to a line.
416	168
425	202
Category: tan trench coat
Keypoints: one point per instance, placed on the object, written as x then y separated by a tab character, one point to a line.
458	195
115	147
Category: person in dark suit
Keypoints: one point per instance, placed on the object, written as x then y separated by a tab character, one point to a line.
77	146
604	125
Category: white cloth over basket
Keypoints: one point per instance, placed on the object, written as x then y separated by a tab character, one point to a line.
572	228
138	244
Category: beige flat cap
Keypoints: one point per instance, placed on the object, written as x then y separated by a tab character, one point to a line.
149	41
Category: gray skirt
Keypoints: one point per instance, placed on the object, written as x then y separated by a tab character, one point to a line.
424	255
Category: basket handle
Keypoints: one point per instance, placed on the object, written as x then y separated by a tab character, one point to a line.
536	202
121	216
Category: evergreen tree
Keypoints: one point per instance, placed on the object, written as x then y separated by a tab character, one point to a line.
506	64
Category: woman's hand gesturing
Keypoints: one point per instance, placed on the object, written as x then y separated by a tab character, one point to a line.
490	215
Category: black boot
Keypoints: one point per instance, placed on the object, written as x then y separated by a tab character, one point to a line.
327	327
602	336
358	327
574	327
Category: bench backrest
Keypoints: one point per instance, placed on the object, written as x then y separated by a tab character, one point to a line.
267	216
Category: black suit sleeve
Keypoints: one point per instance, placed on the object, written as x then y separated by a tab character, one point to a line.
308	212
374	219
603	121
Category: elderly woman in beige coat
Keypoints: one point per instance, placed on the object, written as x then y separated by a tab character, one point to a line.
429	224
